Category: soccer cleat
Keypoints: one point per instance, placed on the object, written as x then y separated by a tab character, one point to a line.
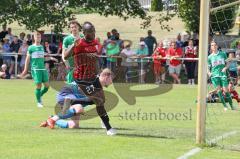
111	132
51	123
44	124
225	109
39	105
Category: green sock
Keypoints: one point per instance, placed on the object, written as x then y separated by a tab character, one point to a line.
38	95
44	90
229	98
220	95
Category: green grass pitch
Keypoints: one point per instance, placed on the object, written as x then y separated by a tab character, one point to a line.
139	137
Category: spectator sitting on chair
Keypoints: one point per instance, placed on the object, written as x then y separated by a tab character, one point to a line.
175	65
4	74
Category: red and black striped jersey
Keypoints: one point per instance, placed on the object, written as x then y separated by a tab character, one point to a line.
85	59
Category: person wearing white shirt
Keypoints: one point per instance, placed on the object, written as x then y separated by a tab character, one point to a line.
127	53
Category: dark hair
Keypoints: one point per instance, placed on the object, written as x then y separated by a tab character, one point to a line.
87	26
114	30
75	22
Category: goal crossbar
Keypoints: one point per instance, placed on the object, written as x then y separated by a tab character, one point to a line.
225	6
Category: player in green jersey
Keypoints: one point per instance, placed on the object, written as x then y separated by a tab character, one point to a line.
35	56
68	43
217	72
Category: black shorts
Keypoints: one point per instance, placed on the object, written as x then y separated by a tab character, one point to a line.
233	74
89	87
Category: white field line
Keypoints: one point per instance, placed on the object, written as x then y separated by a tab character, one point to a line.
196	150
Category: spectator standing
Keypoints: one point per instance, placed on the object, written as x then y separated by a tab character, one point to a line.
6	49
112	50
14	47
159	64
103	61
190	52
29	39
179	42
150	41
127	53
21	37
3	33
23	51
174	65
142	52
10	35
233	68
49	61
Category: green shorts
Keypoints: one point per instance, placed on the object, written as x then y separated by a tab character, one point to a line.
219	81
69	77
40	76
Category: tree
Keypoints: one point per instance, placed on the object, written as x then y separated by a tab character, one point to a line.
37	13
156	5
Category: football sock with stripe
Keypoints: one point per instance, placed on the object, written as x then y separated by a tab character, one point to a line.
38	95
44	90
220	95
229	99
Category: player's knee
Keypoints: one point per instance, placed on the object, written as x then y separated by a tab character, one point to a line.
99	102
73	124
101	110
39	86
78	108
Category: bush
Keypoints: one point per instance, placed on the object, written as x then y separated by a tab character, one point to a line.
156	5
234	43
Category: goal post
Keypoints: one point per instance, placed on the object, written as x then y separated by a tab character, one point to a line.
202	71
205	11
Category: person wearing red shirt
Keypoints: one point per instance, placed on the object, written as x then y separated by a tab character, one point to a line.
190	52
159	64
85	52
174	65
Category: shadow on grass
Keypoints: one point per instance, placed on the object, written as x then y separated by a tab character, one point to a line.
92	128
144	136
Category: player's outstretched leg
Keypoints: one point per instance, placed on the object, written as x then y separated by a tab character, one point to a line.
73	111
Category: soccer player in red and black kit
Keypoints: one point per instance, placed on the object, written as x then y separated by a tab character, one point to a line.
85	52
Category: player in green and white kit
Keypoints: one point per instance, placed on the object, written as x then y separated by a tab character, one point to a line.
35	56
217	65
68	43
